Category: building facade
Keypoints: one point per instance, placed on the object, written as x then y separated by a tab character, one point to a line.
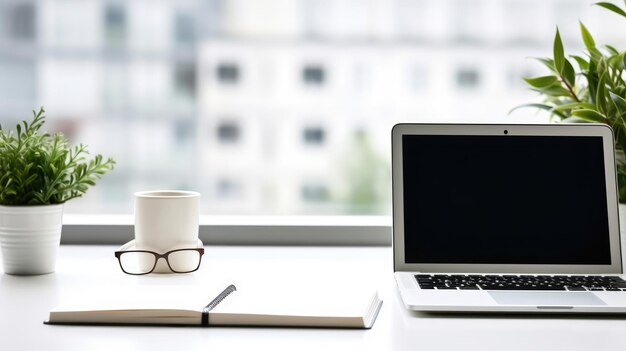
272	107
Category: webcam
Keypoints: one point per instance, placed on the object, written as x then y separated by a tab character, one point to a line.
506	131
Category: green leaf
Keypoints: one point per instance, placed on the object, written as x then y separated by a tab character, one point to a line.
592	83
574	106
611	7
569	74
601	94
541	107
555	90
611	49
37	168
590	116
618	101
587	38
541	82
582	63
617	62
559	53
573	120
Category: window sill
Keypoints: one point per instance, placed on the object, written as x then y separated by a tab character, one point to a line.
243	230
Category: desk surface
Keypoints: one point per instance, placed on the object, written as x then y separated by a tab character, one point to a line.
25	301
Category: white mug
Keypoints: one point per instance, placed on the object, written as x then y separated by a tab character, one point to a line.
166	220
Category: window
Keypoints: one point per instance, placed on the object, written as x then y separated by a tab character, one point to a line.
115	24
314	193
185	79
228	189
207	92
313	75
313	136
228	73
467	79
228	132
184	131
184	29
21	21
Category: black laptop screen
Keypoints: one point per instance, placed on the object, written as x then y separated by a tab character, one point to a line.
505	200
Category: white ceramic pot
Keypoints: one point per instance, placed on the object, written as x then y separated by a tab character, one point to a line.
30	238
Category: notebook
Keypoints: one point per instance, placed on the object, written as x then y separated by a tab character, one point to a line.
506	218
178	305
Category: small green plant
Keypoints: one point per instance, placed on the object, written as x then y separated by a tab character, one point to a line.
595	93
42	169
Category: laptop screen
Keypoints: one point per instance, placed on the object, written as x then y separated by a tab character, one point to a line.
475	199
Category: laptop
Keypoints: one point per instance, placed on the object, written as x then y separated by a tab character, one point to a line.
506	218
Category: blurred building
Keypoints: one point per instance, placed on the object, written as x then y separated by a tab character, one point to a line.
275	106
119	76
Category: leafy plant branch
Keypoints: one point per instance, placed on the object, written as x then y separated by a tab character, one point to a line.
40	168
595	93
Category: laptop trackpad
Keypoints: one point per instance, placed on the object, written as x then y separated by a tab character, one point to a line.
546	299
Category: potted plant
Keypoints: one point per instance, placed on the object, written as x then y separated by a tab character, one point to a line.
594	92
39	172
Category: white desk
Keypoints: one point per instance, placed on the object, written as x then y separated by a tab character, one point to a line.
25	301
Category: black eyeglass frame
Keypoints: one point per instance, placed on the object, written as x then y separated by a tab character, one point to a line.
157	257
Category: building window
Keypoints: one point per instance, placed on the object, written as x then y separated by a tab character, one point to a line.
184	131
184	28
313	75
467	78
185	79
115	24
228	73
21	19
228	132
313	136
227	189
314	193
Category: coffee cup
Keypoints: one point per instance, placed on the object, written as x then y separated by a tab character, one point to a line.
166	220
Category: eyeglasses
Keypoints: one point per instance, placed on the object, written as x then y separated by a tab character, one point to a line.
139	262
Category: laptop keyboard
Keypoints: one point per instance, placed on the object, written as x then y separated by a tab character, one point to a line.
520	282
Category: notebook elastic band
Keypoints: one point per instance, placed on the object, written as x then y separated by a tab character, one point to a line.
216	301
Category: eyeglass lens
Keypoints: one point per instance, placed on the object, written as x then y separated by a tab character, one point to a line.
184	260
181	261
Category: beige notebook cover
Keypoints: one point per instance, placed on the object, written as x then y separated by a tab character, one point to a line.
292	307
